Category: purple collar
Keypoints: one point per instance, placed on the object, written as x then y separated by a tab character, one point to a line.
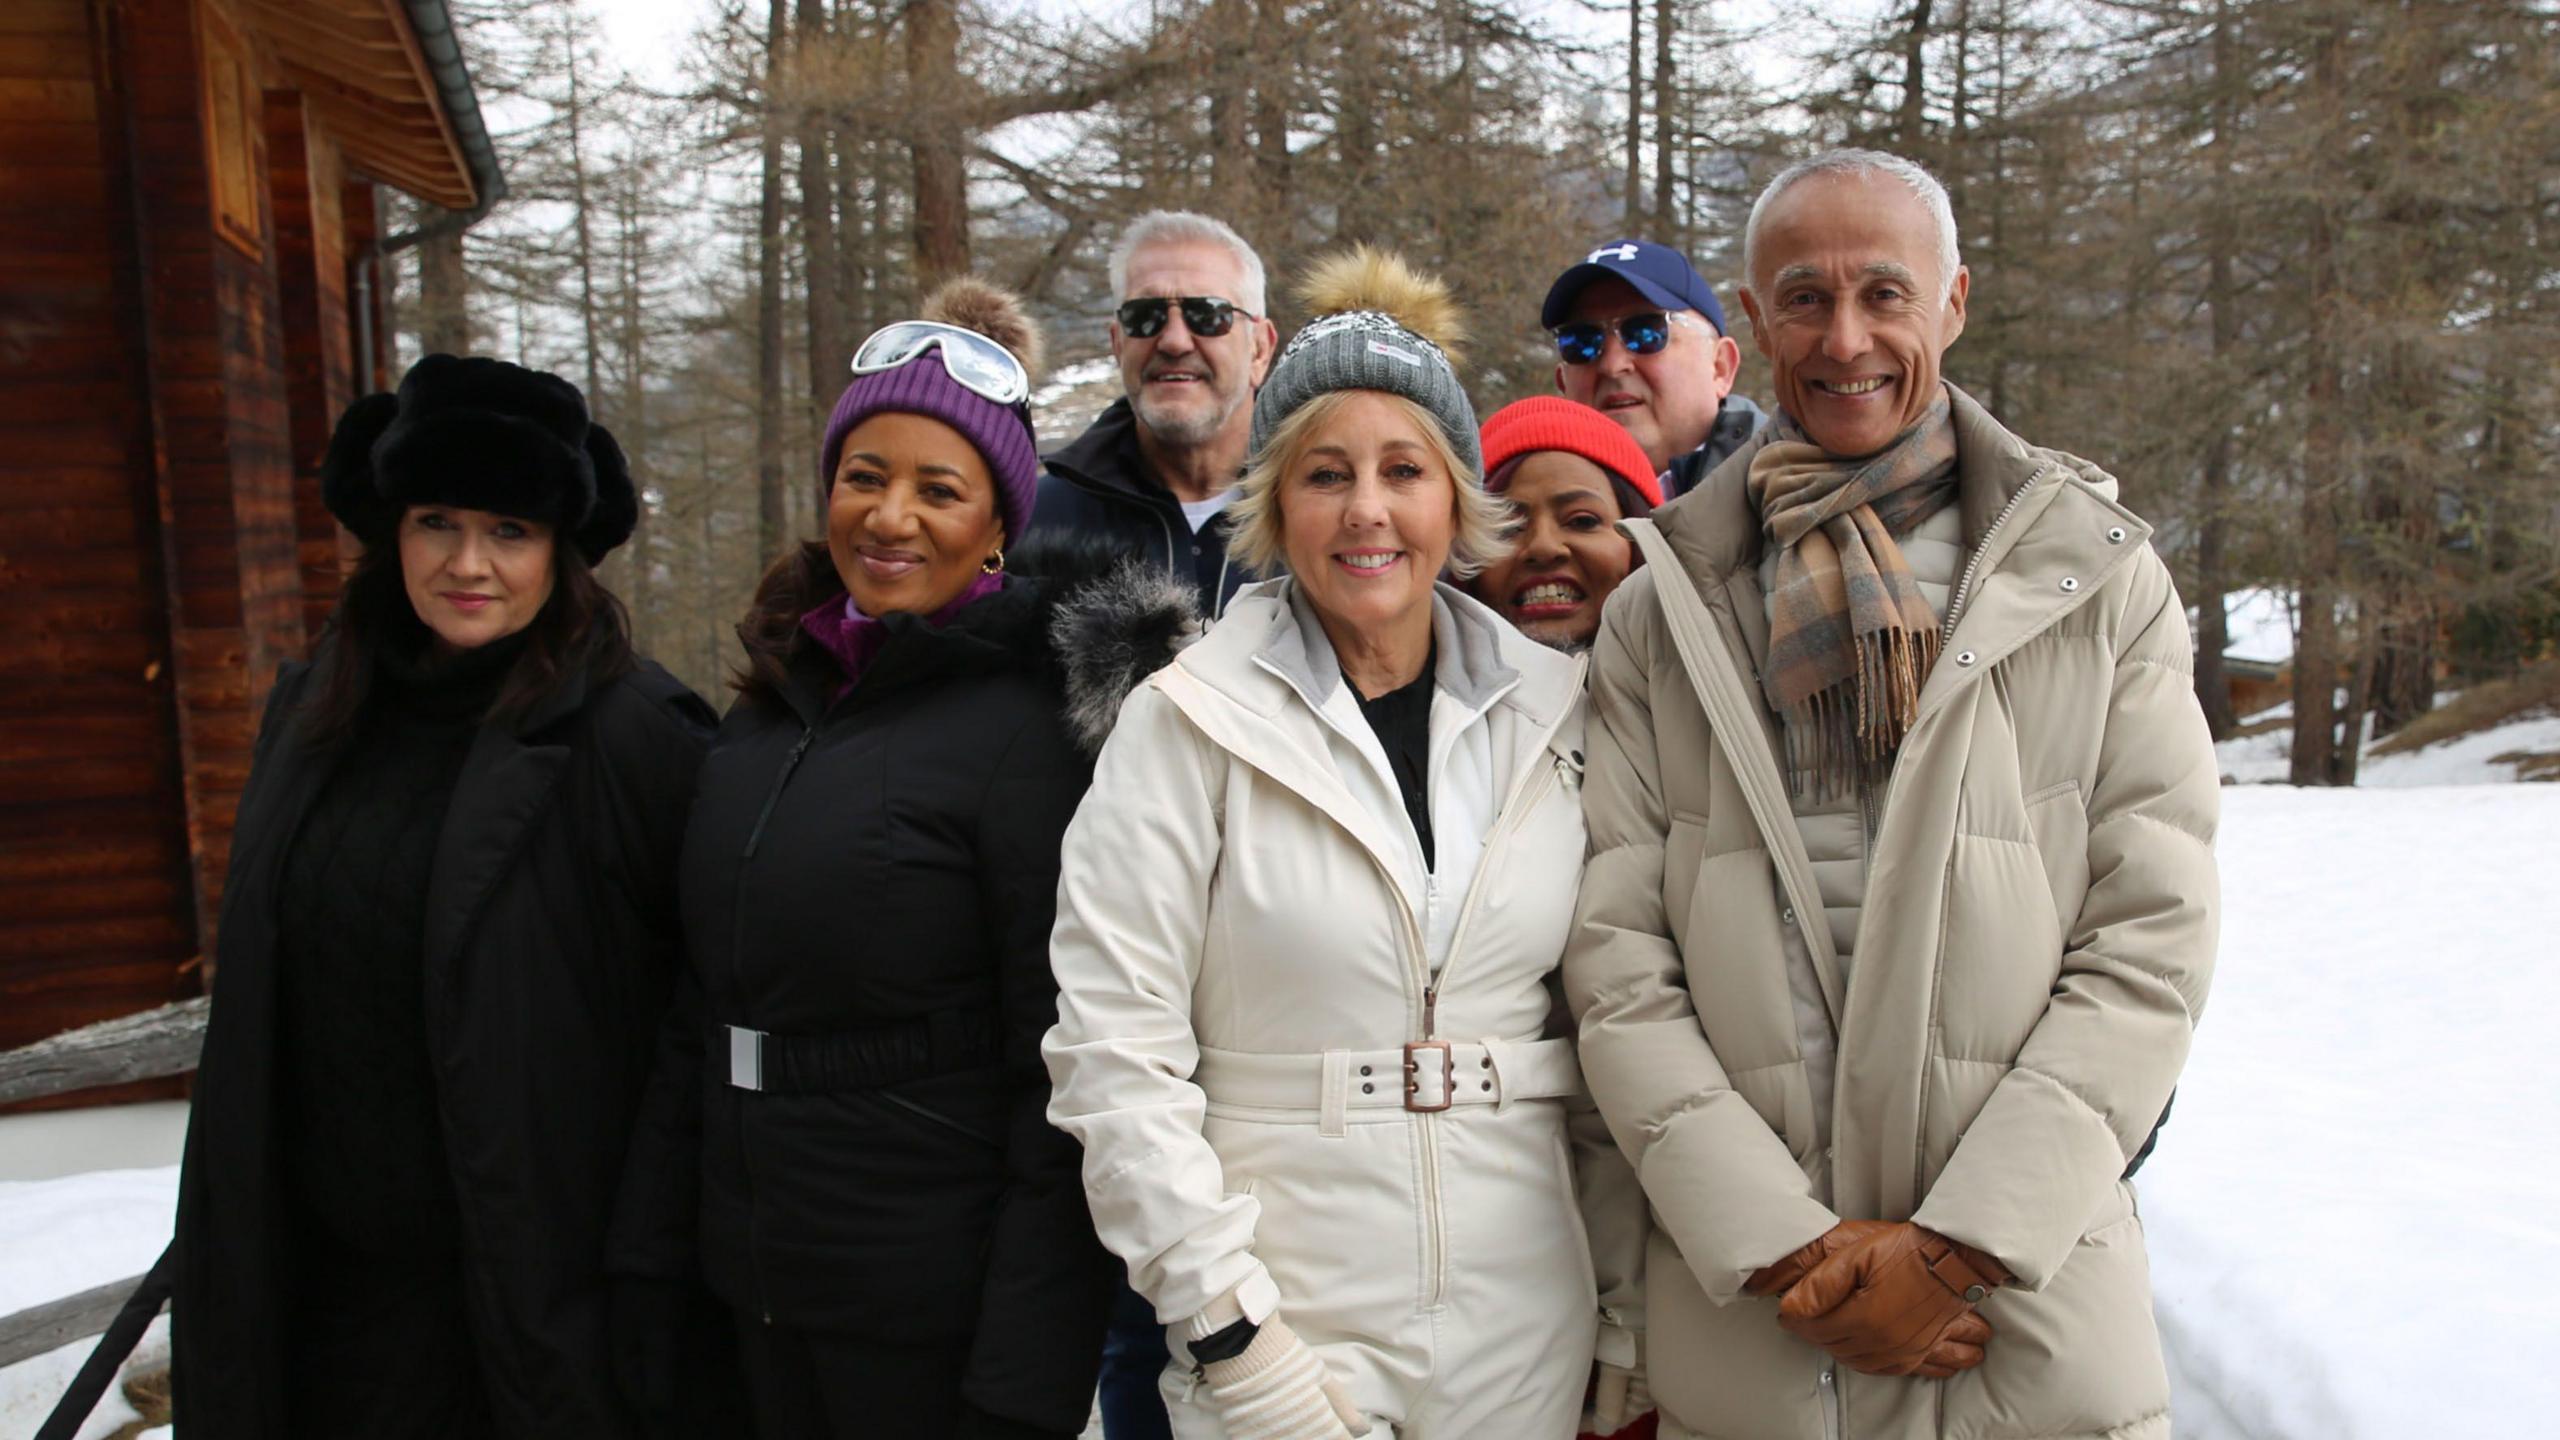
854	638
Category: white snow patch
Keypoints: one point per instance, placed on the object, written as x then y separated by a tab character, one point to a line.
65	1236
2351	1211
2464	760
2258	625
1068	378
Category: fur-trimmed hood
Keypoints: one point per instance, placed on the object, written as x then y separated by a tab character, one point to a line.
1114	620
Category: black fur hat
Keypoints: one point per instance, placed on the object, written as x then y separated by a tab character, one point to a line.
482	435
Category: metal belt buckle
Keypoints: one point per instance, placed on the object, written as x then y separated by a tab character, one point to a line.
746	1058
1413	1069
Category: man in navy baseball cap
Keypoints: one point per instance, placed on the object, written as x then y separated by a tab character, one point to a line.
1640	338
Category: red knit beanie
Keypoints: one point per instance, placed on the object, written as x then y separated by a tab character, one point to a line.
1551	422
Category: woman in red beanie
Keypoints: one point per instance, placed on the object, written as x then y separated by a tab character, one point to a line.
1570	474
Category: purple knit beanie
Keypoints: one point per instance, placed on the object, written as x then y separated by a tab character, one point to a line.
1002	433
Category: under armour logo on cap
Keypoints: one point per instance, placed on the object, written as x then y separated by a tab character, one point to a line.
1662	275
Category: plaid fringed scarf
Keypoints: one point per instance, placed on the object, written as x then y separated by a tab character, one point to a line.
1851	638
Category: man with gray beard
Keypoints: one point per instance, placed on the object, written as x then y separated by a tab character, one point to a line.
1193	342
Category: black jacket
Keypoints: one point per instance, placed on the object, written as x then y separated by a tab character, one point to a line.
856	866
1736	422
549	953
1097	487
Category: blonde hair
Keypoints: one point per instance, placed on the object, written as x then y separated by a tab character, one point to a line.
1253	520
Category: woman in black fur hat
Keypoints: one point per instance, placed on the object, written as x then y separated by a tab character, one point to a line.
447	943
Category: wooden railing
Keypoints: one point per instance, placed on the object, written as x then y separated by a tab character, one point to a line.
147	1046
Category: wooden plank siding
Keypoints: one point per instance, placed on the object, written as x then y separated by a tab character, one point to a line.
307	180
97	904
215	377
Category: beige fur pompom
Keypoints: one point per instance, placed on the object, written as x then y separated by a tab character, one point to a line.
992	311
1363	278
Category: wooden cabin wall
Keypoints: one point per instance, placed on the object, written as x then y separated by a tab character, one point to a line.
97	902
306	180
216	378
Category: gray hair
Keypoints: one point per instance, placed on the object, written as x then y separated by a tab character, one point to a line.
1862	162
1185	227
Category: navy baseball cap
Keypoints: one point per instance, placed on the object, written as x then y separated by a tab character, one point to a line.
1658	273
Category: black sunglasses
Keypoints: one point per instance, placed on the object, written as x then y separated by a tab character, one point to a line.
1644	333
1206	315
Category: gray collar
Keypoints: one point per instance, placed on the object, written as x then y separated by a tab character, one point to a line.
1471	667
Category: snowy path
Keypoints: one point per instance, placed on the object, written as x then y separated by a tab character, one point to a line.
2354	1214
2355	1211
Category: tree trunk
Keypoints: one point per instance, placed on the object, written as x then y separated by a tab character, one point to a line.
1273	67
817	222
2316	655
1230	106
2213	630
941	174
1357	131
1909	121
444	291
1635	116
773	503
582	228
1667	228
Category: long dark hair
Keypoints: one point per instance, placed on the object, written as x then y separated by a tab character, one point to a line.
582	628
804	578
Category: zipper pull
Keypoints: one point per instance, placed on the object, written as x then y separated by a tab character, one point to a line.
1430	1009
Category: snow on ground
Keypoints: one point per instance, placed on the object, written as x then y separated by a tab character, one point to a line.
2258	625
60	1237
2351	1213
2464	760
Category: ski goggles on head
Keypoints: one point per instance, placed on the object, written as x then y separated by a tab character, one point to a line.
1643	333
1207	316
981	365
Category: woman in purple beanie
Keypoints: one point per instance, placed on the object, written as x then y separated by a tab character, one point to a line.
845	1131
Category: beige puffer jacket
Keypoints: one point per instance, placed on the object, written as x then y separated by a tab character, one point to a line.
2033	952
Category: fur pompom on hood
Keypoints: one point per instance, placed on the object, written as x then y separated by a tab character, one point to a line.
1112	632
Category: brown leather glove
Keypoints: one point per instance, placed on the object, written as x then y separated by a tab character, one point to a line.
1780	1276
1897	1302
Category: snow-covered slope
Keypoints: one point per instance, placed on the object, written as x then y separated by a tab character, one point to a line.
2464	760
2354	1213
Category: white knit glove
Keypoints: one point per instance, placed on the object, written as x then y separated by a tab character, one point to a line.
1278	1390
1619	1398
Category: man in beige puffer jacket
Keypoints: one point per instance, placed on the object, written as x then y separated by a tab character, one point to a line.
1887	1151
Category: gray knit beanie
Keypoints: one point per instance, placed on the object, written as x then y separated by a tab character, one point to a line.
1379	326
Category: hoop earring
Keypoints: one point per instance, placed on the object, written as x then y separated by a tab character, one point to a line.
993	564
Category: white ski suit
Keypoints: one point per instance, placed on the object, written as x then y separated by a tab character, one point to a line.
1250	950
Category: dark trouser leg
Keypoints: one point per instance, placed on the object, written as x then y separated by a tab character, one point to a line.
1133	1357
782	1384
813	1385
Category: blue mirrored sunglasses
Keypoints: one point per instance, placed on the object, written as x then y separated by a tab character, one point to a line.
1643	333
